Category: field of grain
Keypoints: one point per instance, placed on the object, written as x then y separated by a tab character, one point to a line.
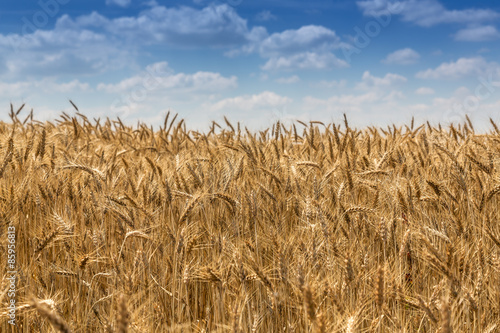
310	227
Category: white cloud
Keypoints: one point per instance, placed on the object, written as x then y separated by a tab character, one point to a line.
372	108
61	52
393	96
341	101
380	7
93	43
121	3
264	100
379	96
72	86
255	111
452	109
152	3
288	80
45	86
306	60
426	13
370	82
331	84
310	37
424	91
265	15
477	34
405	56
463	67
159	77
213	26
356	106
309	47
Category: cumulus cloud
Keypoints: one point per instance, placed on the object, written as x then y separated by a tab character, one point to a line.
426	13
370	82
93	43
309	47
405	56
214	26
158	87
463	67
160	77
60	52
311	37
67	63
477	34
264	100
305	60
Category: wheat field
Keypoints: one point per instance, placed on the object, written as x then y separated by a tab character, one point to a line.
309	227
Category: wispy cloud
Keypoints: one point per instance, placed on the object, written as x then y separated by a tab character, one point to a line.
44	86
461	68
265	15
288	80
478	34
424	91
331	84
121	3
426	13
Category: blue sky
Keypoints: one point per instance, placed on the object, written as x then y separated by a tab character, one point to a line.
378	61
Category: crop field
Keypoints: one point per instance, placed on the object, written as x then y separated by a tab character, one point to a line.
304	227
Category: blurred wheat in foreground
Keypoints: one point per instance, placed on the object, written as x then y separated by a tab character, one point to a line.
305	228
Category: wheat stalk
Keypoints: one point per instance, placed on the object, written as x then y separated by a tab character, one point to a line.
56	321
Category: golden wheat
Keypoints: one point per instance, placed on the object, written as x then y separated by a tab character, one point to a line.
307	227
